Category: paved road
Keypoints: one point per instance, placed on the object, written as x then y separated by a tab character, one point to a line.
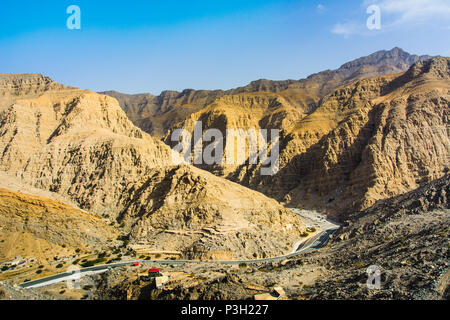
311	244
72	275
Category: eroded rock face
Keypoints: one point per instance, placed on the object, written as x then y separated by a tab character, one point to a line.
81	144
385	138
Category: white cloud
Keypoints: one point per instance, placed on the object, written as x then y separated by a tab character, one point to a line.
414	11
399	13
346	29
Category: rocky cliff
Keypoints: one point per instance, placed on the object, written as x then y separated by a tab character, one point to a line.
371	140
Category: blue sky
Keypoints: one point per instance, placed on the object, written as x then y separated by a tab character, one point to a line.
150	46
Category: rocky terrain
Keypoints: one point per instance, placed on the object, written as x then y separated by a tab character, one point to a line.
406	237
348	137
88	178
81	145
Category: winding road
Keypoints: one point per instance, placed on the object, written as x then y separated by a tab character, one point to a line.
315	242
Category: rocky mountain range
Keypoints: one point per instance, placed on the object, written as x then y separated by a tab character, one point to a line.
374	128
86	174
81	145
157	114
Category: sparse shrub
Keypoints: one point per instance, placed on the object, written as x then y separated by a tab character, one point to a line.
242	265
92	262
39	272
102	255
59	266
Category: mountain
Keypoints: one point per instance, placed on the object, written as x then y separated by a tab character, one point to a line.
81	145
319	84
336	127
158	114
155	114
370	140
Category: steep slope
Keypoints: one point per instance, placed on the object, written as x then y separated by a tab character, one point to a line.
37	227
81	144
406	237
378	138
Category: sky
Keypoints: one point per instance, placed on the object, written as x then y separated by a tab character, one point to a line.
151	46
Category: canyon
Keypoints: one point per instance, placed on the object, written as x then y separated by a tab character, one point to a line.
87	178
